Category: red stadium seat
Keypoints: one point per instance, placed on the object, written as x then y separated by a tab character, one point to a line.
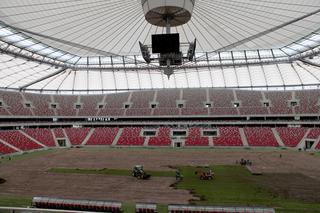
131	137
162	139
195	139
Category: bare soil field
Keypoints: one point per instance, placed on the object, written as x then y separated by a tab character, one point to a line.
31	177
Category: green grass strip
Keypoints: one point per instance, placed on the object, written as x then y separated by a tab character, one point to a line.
15	201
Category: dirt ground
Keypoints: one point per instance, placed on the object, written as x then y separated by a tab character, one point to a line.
30	177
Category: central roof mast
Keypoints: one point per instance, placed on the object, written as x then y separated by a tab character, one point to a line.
167	13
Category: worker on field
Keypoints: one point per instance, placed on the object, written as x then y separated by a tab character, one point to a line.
179	176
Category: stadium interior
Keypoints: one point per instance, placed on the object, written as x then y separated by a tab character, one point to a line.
218	100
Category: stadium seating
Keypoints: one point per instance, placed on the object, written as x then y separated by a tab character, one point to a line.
89	105
40	104
221	100
15	103
314	133
254	100
3	112
291	137
195	139
279	102
4	149
77	135
16	139
59	133
102	136
260	136
195	101
162	139
228	136
42	135
66	104
308	102
142	99
138	112
114	104
140	103
251	104
131	137
167	102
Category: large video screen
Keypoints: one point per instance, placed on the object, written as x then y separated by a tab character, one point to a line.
166	43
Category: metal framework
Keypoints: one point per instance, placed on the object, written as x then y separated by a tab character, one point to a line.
240	46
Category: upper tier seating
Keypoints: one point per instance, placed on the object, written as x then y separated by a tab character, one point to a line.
195	139
114	104
103	136
162	139
40	103
77	135
251	104
291	137
167	100
89	104
222	102
263	136
279	102
42	135
140	103
228	136
66	105
131	137
308	102
4	149
14	103
16	139
195	102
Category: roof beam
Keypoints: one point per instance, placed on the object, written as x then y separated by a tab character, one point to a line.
42	79
230	46
310	63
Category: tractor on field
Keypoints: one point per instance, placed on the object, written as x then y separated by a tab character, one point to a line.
205	175
139	172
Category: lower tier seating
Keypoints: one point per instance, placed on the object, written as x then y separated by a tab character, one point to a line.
263	136
314	133
103	136
76	135
31	139
228	136
44	136
195	139
131	137
59	133
162	139
291	137
17	139
4	149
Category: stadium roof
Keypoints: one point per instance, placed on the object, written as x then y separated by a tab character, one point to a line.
92	45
